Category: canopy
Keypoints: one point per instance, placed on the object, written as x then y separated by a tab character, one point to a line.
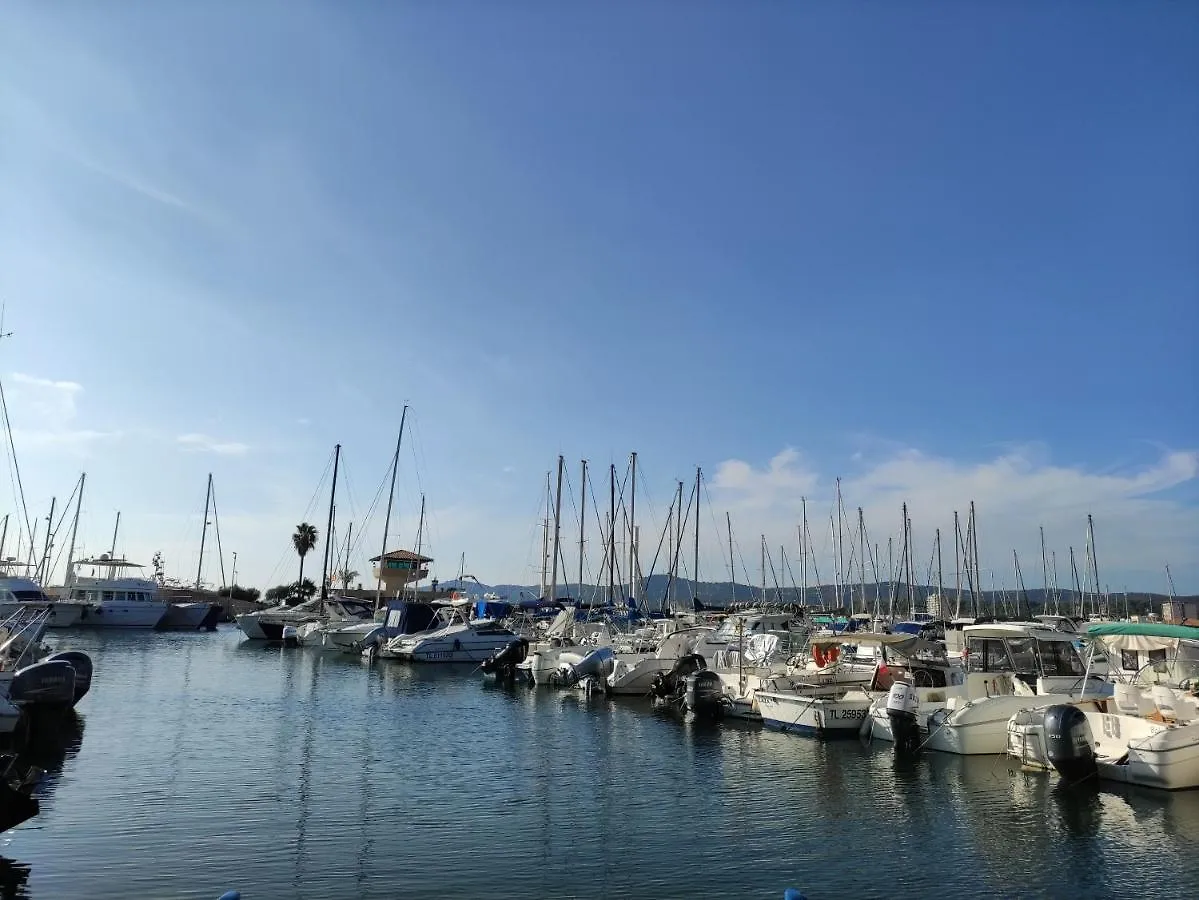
904	643
1142	635
1009	631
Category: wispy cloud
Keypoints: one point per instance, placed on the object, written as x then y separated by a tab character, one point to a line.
44	413
1140	526
202	443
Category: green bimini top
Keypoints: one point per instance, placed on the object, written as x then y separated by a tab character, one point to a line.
1143	629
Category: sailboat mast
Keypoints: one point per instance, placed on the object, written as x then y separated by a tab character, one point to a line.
940	580
763	549
557	529
633	528
611	533
69	576
545	536
44	562
1056	596
395	465
862	561
420	536
112	554
1077	586
204	530
1095	560
695	571
957	563
4	540
803	549
582	524
978	574
728	520
329	528
1044	574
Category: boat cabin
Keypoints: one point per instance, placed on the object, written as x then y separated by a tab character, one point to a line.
1039	656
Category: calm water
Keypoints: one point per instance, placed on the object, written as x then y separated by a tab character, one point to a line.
201	763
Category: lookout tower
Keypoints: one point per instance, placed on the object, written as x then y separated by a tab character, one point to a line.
399	568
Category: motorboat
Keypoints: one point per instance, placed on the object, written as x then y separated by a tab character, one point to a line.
452	637
566	640
1006	668
268	624
634	676
189	615
18	594
1146	733
113	600
32	677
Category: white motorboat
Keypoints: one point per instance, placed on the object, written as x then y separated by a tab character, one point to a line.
186	616
1147	733
17	593
111	600
1008	667
634	676
566	636
268	624
451	638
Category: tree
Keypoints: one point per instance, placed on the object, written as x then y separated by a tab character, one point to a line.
280	593
291	594
345	576
237	592
303	540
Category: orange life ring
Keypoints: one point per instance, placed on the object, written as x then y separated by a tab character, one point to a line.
819	657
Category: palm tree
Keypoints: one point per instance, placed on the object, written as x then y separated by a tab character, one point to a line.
303	540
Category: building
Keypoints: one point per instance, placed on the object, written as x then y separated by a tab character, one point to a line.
399	568
1178	611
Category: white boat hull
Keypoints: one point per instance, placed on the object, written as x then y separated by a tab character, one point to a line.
813	715
123	615
964	728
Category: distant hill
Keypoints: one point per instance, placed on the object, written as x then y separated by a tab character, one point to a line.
722	593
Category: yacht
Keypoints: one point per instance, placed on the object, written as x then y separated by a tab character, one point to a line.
113	600
307	618
451	637
18	593
1006	667
1146	733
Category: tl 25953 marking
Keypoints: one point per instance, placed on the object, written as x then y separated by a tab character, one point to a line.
847	713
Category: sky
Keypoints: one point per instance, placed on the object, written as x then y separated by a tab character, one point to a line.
943	252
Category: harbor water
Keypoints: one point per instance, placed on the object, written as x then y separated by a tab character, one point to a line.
201	763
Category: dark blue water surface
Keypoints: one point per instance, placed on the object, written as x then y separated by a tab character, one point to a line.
200	763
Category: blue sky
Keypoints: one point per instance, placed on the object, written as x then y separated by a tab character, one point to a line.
944	252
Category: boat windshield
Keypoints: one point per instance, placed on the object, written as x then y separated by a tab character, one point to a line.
1059	658
728	629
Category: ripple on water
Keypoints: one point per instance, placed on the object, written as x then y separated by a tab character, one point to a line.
209	763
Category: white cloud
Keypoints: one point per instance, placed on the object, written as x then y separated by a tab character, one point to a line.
43	413
202	443
1139	526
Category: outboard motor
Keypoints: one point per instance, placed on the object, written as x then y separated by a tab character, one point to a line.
705	694
1068	743
903	703
82	664
504	662
47	684
672	685
291	636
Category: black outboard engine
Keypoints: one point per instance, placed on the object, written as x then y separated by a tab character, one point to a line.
705	694
903	703
672	685
503	664
1068	743
82	664
46	684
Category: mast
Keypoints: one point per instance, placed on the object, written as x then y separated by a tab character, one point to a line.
329	528
732	571
420	536
345	560
940	580
395	465
1057	608
978	574
909	570
695	571
1044	576
611	534
862	561
803	549
112	554
4	540
69	578
1095	561
44	562
763	549
633	529
545	537
841	573
582	524
1077	586
557	530
957	563
204	531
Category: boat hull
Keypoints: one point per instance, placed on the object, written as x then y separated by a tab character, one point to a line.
62	615
123	615
818	717
185	616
